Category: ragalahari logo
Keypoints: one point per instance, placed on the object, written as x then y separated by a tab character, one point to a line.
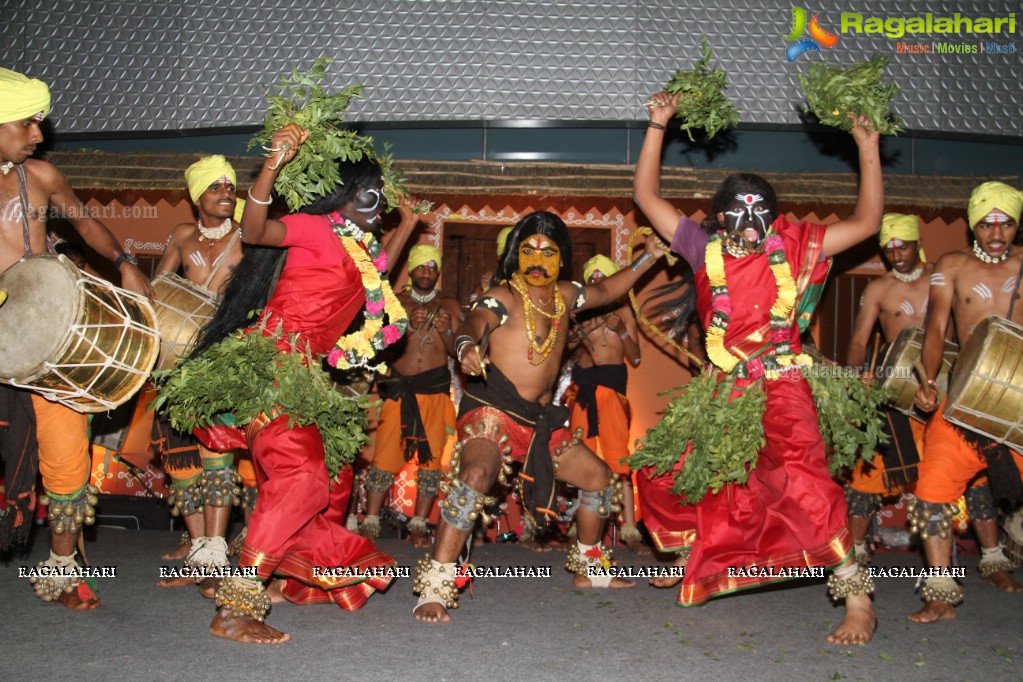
817	40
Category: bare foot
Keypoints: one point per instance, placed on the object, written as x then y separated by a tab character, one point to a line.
178	553
245	629
180	581
1004	581
80	599
208	587
535	545
934	611
638	548
858	625
432	612
420	540
582	582
664	581
273	590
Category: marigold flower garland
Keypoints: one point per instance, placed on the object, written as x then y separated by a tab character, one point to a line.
769	365
359	347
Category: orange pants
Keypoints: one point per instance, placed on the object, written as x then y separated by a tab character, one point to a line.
438	414
63	437
869	477
613	416
949	464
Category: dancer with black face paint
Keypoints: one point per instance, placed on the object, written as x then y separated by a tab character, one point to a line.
757	275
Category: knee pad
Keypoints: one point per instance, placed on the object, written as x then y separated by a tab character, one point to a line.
463	506
377	480
980	503
220	487
861	504
428	481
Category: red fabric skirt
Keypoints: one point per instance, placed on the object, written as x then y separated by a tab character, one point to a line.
297	529
790	514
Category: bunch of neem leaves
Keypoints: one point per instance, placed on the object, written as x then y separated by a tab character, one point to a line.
245	374
847	414
833	93
725	431
701	97
313	173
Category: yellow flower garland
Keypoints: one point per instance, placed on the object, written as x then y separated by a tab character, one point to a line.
782	307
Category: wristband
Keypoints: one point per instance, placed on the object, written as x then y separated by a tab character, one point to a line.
638	263
655	125
254	200
126	258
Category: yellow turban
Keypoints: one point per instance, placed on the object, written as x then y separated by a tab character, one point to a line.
991	195
423	253
903	227
502	240
600	262
22	97
201	174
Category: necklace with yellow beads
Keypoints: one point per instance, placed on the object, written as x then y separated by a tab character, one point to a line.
546	347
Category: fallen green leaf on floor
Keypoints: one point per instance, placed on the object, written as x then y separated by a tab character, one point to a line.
885	657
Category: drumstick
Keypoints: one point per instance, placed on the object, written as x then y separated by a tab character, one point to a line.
873	356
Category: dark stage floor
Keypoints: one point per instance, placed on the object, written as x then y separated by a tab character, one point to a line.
539	628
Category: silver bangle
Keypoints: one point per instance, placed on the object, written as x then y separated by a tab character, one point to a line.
460	343
639	262
258	201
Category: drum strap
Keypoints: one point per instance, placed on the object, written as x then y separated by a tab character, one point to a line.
1015	292
23	196
899	454
223	259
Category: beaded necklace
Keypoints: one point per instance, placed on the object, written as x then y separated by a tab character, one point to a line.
422	299
358	348
546	347
214	233
721	306
982	254
910	276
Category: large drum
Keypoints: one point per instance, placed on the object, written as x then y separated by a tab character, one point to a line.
1013	538
182	309
898	376
74	338
986	394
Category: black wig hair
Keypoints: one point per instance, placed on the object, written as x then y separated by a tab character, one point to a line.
538	222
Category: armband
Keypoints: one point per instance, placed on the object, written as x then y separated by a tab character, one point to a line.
580	296
494	306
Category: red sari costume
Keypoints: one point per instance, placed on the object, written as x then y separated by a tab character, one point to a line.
297	528
790	513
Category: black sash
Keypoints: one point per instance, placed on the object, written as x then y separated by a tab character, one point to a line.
900	455
406	388
21	464
537	478
615	377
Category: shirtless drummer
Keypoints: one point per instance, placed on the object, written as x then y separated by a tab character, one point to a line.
30	191
206	252
967	286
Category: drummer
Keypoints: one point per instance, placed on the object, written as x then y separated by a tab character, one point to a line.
896	301
29	191
206	252
968	286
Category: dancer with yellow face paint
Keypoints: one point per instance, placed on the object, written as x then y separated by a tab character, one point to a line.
506	414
